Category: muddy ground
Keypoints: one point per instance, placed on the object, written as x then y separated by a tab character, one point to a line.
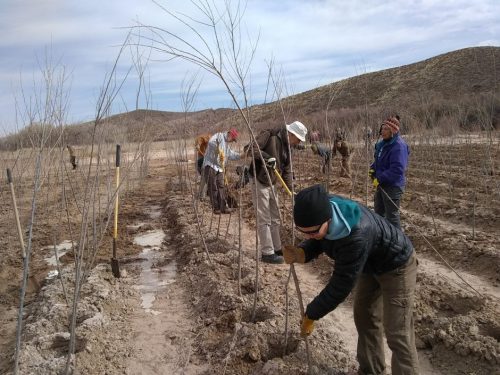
179	308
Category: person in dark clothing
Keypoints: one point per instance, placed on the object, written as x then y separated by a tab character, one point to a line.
340	145
325	153
243	175
372	254
388	171
274	146
72	156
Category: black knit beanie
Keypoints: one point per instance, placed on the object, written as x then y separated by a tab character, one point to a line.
312	207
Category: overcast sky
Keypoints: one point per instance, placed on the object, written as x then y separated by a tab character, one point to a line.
313	42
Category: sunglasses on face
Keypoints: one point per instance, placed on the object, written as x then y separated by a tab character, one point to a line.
310	232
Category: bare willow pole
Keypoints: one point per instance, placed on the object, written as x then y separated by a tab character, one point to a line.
292	266
106	97
257	263
115	266
240	216
287	305
59	273
26	264
197	214
213	60
16	212
299	293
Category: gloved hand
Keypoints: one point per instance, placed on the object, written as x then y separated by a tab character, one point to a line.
371	173
271	163
293	254
375	183
306	326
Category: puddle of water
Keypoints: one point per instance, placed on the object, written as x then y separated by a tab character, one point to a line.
154	212
52	274
153	279
62	249
135	226
150	238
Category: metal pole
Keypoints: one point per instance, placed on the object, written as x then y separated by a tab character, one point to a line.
296	281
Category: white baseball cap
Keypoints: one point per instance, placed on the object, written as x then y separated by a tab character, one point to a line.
298	129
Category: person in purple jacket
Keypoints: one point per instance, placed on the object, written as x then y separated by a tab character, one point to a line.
388	171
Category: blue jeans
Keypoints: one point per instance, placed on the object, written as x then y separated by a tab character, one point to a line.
387	200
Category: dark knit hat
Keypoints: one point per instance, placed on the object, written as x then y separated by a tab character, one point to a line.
312	207
393	124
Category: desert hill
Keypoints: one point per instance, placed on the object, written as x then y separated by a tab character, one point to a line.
449	76
461	85
458	88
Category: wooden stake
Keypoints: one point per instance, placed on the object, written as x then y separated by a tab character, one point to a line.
16	213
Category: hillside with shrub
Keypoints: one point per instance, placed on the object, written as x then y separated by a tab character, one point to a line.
453	91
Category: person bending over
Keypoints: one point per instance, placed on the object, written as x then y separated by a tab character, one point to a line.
371	254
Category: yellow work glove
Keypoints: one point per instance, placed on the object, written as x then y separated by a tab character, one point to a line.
371	173
375	183
221	156
293	254
306	326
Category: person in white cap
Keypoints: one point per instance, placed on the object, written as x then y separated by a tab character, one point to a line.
275	147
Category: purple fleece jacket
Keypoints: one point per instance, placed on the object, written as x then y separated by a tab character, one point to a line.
391	161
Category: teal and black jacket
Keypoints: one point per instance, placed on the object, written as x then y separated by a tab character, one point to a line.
373	246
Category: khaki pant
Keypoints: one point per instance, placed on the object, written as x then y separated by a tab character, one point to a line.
345	167
385	303
268	217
